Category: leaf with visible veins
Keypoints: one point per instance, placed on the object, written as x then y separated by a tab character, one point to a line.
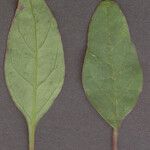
34	64
112	75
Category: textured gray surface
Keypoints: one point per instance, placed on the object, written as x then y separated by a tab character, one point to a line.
72	124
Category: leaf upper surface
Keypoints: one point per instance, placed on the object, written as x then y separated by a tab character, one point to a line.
34	65
112	76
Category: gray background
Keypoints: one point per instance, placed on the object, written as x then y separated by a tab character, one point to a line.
72	124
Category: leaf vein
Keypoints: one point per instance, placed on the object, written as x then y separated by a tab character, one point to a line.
13	67
52	70
47	101
29	48
45	38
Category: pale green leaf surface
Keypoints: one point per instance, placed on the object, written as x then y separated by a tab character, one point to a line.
112	76
34	65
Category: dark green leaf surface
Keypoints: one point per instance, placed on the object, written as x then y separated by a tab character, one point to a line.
112	75
34	65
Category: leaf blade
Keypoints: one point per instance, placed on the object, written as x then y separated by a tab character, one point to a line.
112	77
34	64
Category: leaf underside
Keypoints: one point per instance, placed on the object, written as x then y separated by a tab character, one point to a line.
112	76
34	64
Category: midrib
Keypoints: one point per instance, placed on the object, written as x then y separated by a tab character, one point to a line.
35	68
110	45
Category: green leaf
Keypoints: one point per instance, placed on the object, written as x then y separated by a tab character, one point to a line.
112	75
34	65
